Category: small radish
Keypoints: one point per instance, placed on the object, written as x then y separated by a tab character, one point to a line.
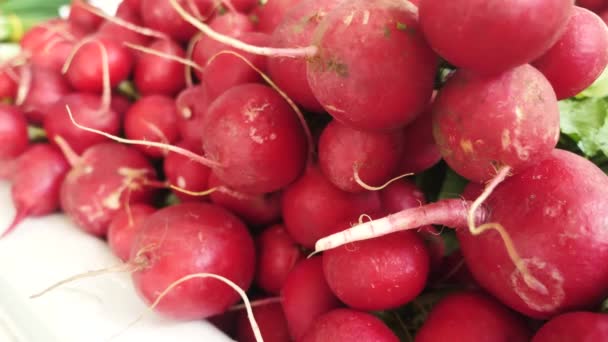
470	316
269	14
189	239
82	18
13	132
39	89
40	170
122	33
272	322
306	296
159	15
9	80
277	256
152	118
124	227
105	179
186	174
399	195
420	151
574	326
192	104
346	325
158	75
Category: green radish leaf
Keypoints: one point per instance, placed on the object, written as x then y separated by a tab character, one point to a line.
585	122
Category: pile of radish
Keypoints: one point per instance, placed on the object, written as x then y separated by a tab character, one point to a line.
273	147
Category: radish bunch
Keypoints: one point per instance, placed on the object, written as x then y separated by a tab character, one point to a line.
217	144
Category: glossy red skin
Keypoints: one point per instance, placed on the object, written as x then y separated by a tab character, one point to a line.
46	88
270	319
82	18
152	118
159	15
270	14
481	123
48	48
345	325
256	210
40	171
187	174
312	207
370	57
227	71
486	34
420	152
120	104
306	295
378	274
158	75
574	326
86	111
256	137
122	34
86	70
374	155
578	57
13	132
296	29
191	105
91	193
9	78
124	227
471	316
232	24
278	253
203	238
553	212
133	5
399	195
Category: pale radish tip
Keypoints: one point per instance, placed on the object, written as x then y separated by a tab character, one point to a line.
20	215
366	186
68	152
318	249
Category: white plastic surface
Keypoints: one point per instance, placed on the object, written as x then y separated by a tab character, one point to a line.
42	251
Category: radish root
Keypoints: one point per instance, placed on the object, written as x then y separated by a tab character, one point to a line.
256	303
25	84
179	189
161	54
375	188
69	153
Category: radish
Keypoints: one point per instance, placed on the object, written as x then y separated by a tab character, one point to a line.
40	170
270	318
39	89
9	79
252	132
350	158
13	132
343	76
554	205
484	123
312	207
269	14
192	106
420	151
188	239
128	29
157	75
186	174
105	179
486	37
306	296
378	274
345	325
83	18
574	326
124	227
401	195
470	316
579	56
159	15
255	210
277	256
152	118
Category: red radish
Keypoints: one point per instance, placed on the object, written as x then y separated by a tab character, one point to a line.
470	316
13	132
121	33
346	73
188	239
192	106
574	326
85	71
9	80
420	151
39	89
256	210
545	252
158	75
484	42
105	179
306	296
87	109
40	170
277	256
349	157
152	118
296	29
400	195
312	207
133	5
82	18
484	123
345	325
159	15
226	71
272	322
579	56
186	174
378	274
124	227
120	104
269	14
255	136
